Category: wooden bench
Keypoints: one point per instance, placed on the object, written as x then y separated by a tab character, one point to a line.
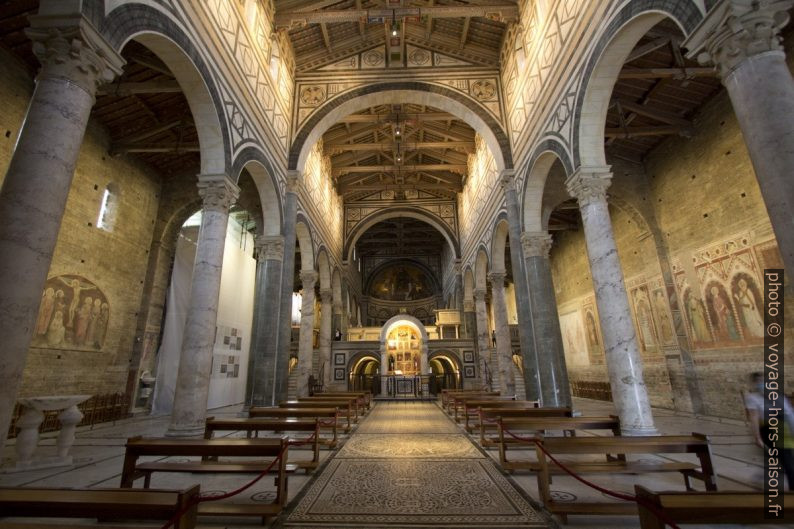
453	401
265	450
708	507
458	405
329	417
256	425
354	402
365	397
531	426
488	419
470	407
660	444
344	409
446	392
451	397
105	504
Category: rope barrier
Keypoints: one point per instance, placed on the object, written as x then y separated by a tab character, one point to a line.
619	495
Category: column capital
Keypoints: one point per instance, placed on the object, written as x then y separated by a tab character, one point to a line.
589	184
468	305
69	47
269	248
536	244
293	180
736	30
497	279
309	279
508	178
217	191
479	294
326	295
457	267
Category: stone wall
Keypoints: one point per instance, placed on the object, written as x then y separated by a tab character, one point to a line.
88	349
701	197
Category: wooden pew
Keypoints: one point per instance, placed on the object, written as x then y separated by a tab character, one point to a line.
105	504
263	449
471	408
358	410
531	426
256	425
453	401
708	507
329	417
450	397
660	444
489	417
446	392
345	409
365	396
458	405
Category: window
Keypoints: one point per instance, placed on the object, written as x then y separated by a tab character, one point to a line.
108	208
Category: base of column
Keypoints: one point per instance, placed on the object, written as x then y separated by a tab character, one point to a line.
640	431
185	431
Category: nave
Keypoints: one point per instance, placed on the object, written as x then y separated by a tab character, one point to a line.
406	464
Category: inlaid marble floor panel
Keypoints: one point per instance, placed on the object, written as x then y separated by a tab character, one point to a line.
408	465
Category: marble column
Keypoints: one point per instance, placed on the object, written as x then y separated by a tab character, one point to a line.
457	269
470	323
287	286
217	192
534	380
483	336
504	349
306	341
75	61
742	38
326	308
556	391
364	305
589	186
263	357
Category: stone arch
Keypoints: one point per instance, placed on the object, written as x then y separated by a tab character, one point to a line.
468	284
393	92
449	356
499	243
396	262
356	360
481	269
259	167
163	36
303	235
324	269
613	47
403	318
390	213
542	160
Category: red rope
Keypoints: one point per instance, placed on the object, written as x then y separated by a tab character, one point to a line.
202	499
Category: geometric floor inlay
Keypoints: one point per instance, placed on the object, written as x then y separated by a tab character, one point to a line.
409	492
400	446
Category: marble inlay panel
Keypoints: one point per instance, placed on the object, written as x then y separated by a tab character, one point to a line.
397	446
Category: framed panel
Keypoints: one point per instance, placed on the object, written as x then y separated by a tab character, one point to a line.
468	372
468	357
339	373
339	359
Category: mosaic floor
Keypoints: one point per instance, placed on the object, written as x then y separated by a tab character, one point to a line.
408	465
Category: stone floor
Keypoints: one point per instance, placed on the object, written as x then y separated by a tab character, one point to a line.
401	447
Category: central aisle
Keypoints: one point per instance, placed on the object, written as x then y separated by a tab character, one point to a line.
408	465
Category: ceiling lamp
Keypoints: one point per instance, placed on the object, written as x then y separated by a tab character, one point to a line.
393	25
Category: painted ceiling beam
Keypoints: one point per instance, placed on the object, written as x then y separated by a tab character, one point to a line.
291	19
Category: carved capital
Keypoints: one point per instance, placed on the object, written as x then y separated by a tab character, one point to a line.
536	244
293	181
217	192
309	279
479	294
70	48
508	179
270	248
738	29
326	295
589	185
457	268
468	305
497	280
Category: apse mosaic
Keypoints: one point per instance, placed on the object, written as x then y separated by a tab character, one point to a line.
401	283
74	314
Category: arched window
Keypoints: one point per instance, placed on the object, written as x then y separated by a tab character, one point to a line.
108	208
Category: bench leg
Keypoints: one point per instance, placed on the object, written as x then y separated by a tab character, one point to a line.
147	479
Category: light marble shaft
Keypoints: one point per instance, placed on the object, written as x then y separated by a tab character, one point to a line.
545	320
305	343
263	359
483	338
218	192
326	307
74	61
504	349
537	381
280	389
588	186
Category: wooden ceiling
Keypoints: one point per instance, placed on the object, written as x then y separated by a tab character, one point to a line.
399	147
322	31
401	237
144	110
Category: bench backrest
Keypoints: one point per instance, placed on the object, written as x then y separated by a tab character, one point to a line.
318	411
166	446
516	424
492	412
656	444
